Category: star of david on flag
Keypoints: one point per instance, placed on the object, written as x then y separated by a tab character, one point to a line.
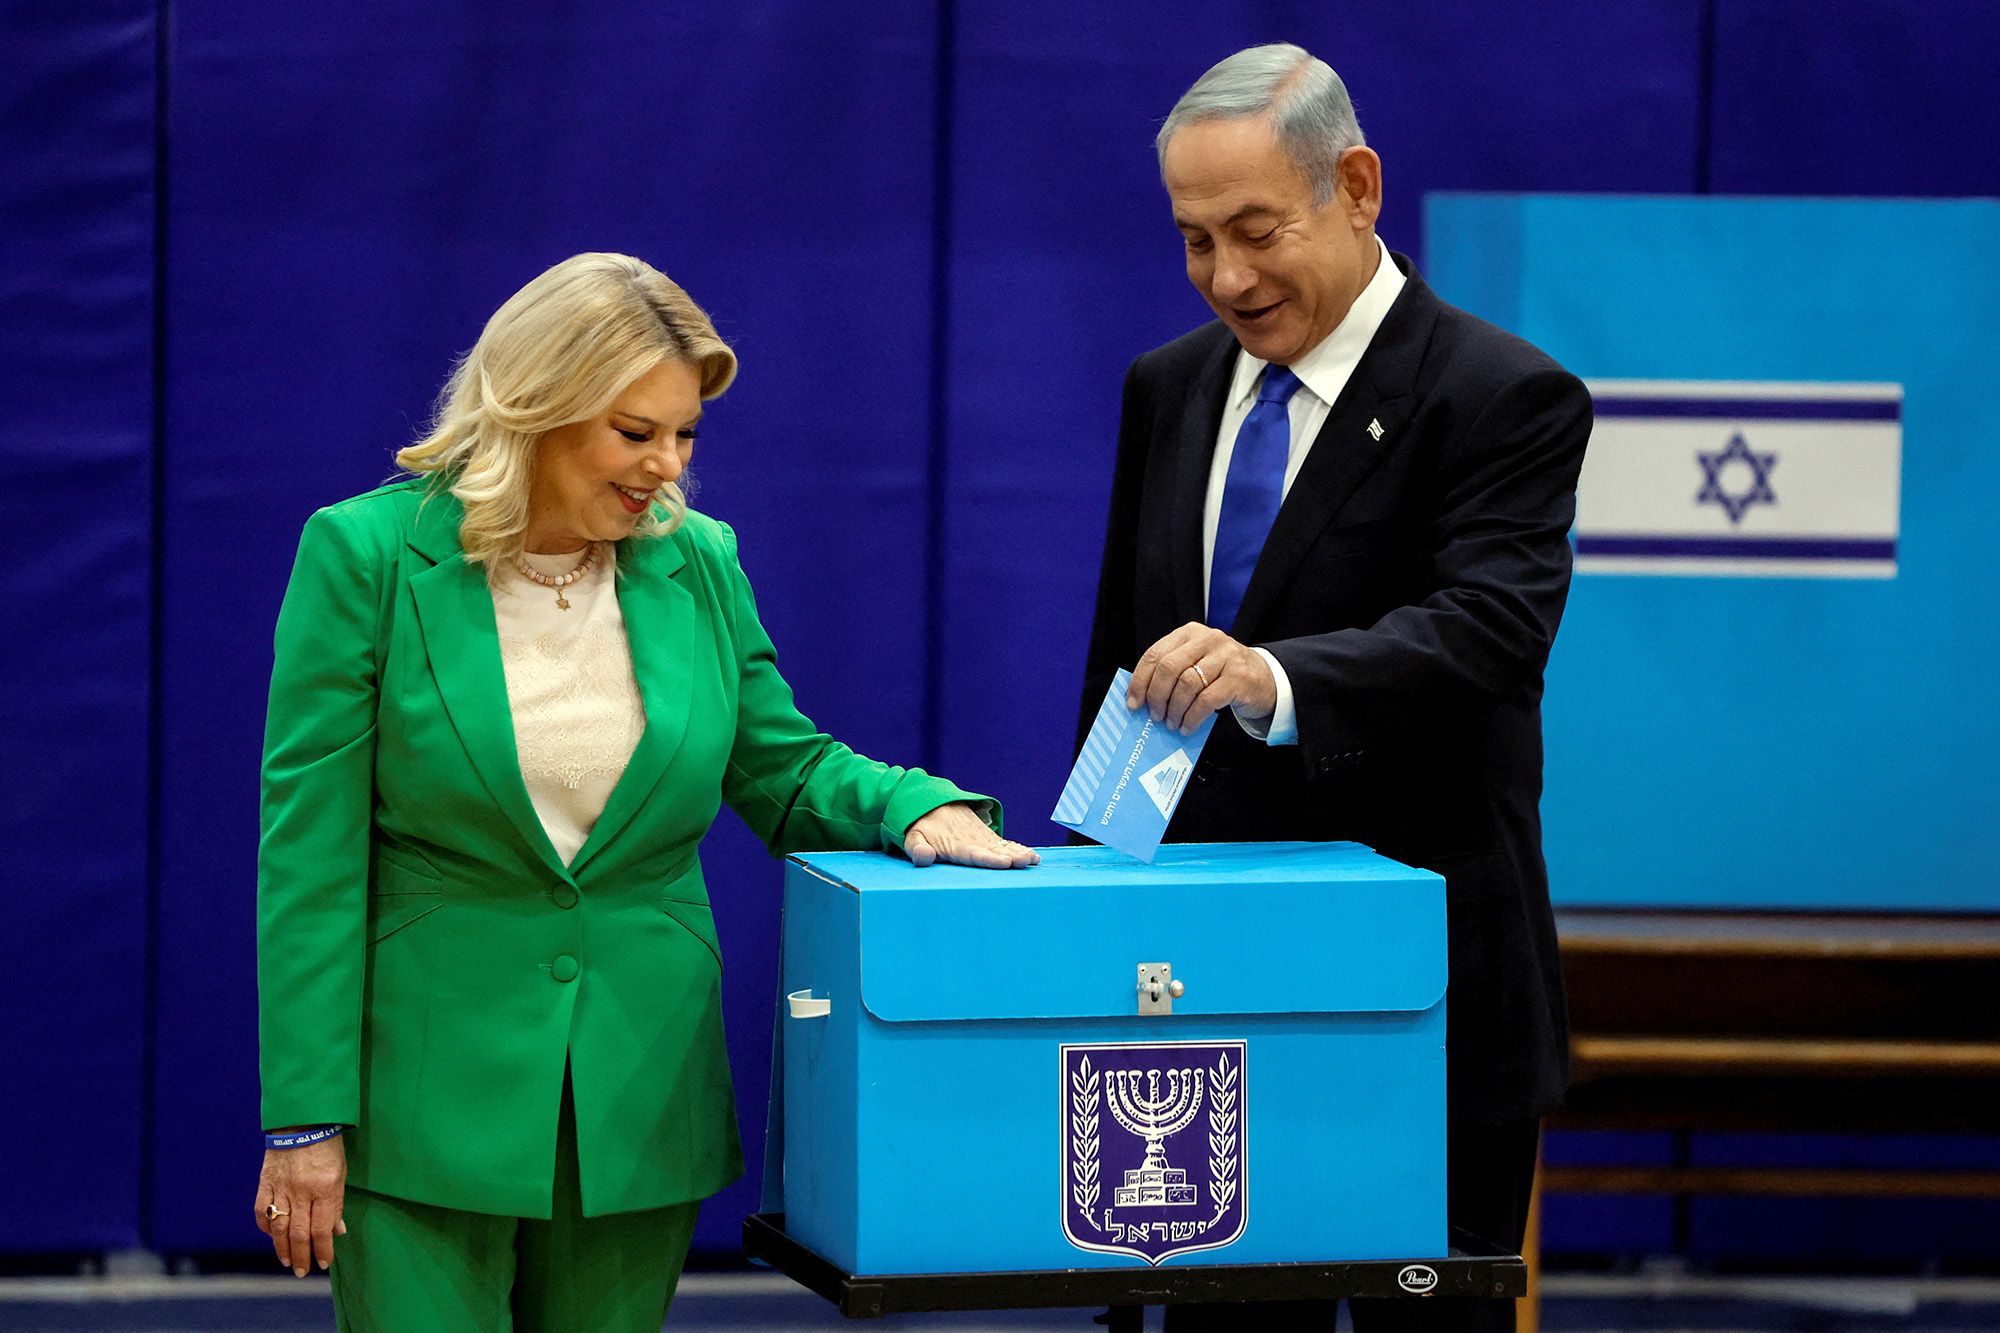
1715	468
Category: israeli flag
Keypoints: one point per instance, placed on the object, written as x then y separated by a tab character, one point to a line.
1741	478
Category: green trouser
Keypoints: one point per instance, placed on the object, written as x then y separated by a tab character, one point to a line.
408	1267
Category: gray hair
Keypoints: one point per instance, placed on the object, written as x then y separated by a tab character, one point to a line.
1305	99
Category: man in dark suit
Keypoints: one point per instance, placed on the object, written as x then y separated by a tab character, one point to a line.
1340	513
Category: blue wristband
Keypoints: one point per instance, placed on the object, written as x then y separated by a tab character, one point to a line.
299	1138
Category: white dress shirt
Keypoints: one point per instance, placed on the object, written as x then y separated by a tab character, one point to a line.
1323	372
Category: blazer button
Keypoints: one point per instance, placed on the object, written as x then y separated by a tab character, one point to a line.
564	896
564	968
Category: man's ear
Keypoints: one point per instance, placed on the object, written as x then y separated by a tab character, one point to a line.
1359	193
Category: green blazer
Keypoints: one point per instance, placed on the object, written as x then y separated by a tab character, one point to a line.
426	964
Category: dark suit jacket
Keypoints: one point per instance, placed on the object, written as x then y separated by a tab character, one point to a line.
1411	586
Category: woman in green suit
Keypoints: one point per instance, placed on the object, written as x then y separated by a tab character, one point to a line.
508	697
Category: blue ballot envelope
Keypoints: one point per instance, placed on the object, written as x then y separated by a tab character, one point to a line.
1232	1055
1129	776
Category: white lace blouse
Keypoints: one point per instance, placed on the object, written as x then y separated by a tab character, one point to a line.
577	713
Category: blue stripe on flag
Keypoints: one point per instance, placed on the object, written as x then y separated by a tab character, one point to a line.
1727	548
1748	409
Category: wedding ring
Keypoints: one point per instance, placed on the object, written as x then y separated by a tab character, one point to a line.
1203	674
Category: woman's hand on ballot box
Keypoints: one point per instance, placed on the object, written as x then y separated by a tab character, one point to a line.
956	833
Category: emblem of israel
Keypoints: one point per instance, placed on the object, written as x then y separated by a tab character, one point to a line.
1154	1140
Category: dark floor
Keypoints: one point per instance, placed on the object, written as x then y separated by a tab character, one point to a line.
726	1302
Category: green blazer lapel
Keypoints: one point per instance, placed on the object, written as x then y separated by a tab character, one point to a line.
659	613
462	640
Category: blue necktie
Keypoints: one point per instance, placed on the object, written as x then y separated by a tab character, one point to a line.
1251	494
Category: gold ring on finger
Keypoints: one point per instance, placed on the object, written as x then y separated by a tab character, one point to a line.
272	1212
1196	668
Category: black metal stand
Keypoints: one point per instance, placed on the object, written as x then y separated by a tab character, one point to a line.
1474	1268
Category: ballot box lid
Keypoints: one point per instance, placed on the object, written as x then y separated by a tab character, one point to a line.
1248	928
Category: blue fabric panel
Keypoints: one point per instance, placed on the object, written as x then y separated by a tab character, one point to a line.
1837	1233
1065	265
1854	97
1606	1224
76	400
354	189
1772	742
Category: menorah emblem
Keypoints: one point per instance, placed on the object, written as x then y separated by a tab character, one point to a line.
1154	1090
1137	1104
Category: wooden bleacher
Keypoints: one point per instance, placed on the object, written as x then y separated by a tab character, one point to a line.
1784	1022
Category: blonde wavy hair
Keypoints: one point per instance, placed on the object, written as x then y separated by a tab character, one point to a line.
558	351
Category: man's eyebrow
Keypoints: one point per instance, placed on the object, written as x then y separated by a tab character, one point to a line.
1247	211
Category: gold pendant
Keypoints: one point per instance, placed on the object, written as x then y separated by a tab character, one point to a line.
562	602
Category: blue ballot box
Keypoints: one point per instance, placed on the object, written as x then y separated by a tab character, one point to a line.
1233	1055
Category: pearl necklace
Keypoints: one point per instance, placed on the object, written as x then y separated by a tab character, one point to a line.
558	581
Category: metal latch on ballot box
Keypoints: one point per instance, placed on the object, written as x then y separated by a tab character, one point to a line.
1157	988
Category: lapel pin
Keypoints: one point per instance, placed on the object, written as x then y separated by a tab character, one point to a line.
1375	427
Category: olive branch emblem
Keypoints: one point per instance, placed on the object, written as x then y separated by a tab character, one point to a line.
1083	1097
1222	1146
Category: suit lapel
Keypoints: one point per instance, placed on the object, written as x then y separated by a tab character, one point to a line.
462	640
1201	418
659	613
1364	425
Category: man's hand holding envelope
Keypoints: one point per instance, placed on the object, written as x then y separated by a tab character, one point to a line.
1196	672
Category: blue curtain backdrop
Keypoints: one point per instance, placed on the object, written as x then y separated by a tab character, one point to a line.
934	232
1065	265
352	189
77	136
